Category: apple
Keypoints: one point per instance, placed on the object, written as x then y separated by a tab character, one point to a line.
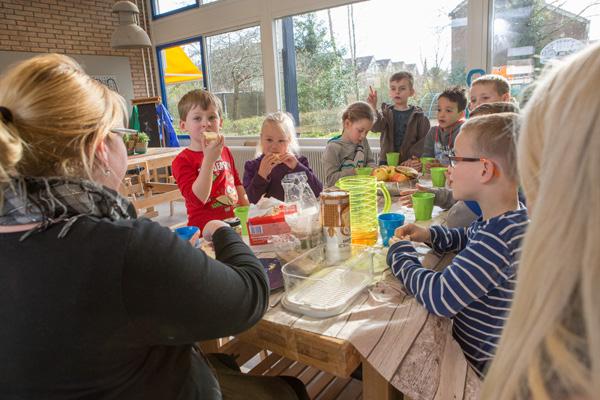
380	173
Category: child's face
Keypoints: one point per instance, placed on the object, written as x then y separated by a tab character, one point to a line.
482	93
400	91
447	113
463	176
199	120
357	131
273	139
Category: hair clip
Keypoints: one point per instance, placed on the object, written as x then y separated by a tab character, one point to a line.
6	114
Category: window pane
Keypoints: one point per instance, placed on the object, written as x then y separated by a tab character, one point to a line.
236	76
182	72
529	34
165	6
329	58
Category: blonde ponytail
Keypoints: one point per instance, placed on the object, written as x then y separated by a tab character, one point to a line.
550	347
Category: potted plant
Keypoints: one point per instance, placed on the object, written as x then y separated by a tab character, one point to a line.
130	141
141	144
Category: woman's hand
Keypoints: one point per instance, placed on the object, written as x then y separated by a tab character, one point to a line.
413	232
267	164
211	227
290	160
212	149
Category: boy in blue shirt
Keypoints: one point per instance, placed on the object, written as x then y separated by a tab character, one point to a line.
476	289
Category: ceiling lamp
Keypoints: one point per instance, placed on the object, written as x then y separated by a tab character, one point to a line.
128	35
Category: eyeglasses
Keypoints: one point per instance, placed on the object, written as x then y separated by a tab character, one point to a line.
122	131
454	160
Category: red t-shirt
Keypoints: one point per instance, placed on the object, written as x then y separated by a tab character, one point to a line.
223	195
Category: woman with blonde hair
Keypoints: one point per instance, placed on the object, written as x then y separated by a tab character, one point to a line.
550	347
95	303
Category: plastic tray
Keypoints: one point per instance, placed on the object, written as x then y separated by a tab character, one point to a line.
319	288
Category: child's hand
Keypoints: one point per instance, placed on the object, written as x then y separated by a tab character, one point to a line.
372	98
406	195
267	164
212	149
290	160
413	232
414	162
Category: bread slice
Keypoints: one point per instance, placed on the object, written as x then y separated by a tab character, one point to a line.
210	136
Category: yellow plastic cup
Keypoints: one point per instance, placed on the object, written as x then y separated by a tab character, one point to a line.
242	213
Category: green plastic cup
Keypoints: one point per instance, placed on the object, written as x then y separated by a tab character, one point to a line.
424	161
242	213
423	205
364	171
392	158
438	176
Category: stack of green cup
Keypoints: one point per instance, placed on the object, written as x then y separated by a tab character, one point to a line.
423	205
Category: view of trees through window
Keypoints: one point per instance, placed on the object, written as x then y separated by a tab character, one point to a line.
342	51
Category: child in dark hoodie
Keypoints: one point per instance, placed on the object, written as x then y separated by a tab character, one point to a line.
403	128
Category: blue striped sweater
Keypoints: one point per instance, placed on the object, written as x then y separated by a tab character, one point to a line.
476	290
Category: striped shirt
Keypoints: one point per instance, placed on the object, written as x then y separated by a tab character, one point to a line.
476	290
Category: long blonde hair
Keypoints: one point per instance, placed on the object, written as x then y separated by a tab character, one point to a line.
58	117
550	347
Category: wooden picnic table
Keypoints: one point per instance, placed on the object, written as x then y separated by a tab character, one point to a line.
143	186
401	346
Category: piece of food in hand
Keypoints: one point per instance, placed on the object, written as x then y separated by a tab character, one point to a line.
407	171
210	136
276	156
381	174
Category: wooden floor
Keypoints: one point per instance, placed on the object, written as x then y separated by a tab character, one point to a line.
319	385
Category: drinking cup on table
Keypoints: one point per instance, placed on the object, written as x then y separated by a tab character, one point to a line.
187	233
424	162
388	223
438	176
392	158
364	171
423	205
242	213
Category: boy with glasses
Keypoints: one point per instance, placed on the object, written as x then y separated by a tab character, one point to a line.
476	289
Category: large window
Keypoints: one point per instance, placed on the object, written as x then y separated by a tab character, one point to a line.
530	34
235	74
181	71
329	58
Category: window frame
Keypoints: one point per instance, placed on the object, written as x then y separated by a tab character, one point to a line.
161	69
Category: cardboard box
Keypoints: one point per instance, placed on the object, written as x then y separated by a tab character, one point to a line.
261	228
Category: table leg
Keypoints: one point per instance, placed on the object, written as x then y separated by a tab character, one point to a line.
375	387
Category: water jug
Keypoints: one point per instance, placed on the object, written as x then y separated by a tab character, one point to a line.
363	206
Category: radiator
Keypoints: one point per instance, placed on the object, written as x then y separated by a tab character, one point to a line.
314	154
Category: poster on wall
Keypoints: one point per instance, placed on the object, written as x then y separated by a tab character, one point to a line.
109	81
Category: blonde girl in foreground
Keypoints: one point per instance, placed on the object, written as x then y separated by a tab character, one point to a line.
550	348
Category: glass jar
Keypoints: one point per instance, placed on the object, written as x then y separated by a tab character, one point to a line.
235	224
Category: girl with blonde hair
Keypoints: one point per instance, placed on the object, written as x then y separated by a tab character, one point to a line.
278	155
94	302
550	347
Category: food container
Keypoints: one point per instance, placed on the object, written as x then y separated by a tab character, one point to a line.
320	288
395	188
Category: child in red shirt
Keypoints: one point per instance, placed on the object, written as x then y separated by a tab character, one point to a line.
205	171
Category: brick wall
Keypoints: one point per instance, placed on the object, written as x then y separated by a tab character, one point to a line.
69	27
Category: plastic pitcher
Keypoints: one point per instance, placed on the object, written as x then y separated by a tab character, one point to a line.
363	206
